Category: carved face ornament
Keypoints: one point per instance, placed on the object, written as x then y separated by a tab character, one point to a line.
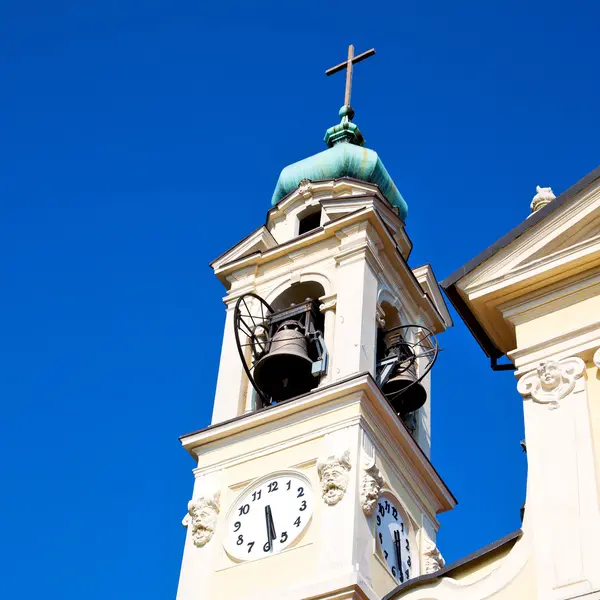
333	473
550	377
202	516
552	381
334	482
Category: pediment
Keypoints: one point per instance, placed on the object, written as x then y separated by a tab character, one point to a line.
566	239
258	241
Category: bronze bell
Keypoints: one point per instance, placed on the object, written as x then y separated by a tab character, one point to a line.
285	370
402	389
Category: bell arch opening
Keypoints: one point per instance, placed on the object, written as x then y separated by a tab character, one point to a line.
297	293
294	358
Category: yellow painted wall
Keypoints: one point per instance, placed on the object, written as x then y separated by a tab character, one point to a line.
557	322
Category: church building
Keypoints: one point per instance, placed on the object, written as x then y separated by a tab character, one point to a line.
314	478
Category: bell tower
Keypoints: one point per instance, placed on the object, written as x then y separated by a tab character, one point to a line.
314	478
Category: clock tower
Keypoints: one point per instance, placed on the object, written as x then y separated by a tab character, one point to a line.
313	479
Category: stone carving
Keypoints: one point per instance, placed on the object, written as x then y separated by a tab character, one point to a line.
333	472
544	196
202	515
433	559
370	486
552	381
305	188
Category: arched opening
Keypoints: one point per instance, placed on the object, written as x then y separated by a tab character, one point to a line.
296	357
296	293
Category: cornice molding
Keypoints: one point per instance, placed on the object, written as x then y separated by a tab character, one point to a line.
373	413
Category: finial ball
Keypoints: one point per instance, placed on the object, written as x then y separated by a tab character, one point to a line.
346	111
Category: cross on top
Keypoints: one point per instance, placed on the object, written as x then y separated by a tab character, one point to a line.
348	64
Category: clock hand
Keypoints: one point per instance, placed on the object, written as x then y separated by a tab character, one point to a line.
271	524
398	549
268	524
271	535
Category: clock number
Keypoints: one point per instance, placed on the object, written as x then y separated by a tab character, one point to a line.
402	525
385	553
284	537
303	506
289	484
250	545
407	546
237	526
381	509
394	571
267	547
401	576
394	513
378	520
244	510
256	495
300	492
407	574
297	522
273	487
409	562
380	538
240	540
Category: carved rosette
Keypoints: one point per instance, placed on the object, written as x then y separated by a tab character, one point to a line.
552	381
202	515
370	487
433	559
333	471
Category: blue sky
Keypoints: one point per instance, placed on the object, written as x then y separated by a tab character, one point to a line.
141	139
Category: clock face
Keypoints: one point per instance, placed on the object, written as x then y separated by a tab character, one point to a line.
269	516
393	539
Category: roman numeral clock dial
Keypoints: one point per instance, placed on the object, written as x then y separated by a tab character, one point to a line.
269	516
393	539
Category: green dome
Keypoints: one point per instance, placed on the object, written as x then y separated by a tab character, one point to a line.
345	158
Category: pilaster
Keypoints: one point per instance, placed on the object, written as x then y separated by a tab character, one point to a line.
561	507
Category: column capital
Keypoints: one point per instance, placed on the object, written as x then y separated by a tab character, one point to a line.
552	380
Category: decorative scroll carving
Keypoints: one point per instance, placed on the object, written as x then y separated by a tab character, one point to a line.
333	472
202	515
552	381
370	486
433	559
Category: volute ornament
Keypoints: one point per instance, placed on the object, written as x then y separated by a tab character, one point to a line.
202	516
370	486
434	560
333	472
552	381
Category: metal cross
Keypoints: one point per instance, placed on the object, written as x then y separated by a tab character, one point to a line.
348	64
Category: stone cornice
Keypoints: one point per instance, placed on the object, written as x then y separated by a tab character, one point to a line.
372	412
366	221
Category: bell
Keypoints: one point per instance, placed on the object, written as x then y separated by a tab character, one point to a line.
404	394
286	370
